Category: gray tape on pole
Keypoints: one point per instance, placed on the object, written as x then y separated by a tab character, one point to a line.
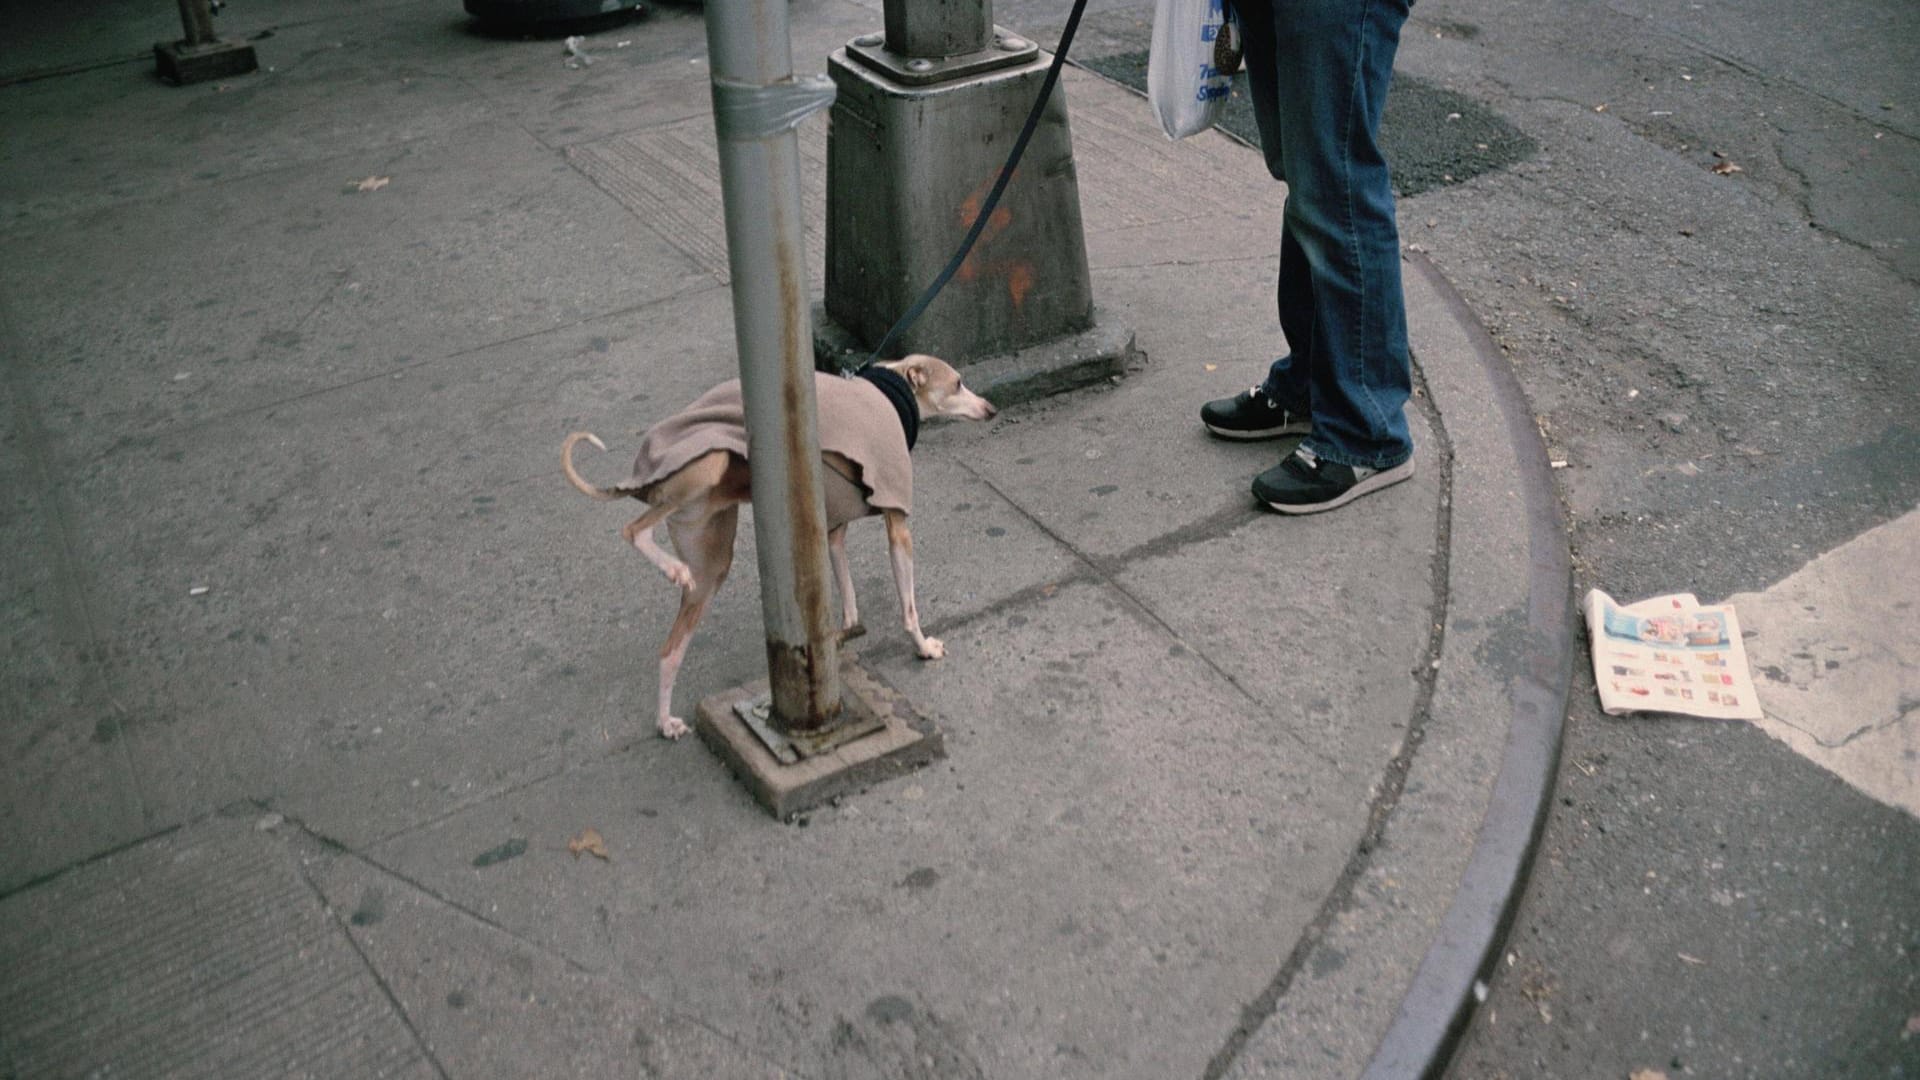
744	111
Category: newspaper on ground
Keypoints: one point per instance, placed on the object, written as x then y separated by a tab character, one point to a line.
1669	654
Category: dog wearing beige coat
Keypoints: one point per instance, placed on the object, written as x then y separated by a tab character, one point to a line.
692	472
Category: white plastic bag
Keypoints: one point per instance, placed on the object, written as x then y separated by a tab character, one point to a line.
1190	64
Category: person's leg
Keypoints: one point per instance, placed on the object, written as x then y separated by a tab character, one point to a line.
1318	71
1289	380
1282	403
1286	381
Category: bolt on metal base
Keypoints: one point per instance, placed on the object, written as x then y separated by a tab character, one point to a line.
1007	49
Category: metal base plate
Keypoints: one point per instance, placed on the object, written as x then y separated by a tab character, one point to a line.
789	749
903	741
1007	49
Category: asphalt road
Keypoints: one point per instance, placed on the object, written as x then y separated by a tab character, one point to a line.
1707	274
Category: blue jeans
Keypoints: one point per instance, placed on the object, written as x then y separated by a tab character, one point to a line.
1318	72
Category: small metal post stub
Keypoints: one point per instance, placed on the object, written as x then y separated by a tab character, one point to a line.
792	748
757	714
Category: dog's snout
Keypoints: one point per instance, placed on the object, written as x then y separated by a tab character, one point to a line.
978	408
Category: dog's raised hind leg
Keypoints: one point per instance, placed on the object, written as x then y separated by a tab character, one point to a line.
639	533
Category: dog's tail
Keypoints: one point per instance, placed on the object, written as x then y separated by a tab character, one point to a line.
574	477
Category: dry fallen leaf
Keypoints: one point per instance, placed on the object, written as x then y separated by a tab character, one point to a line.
1726	168
1647	1074
1212	367
589	841
373	183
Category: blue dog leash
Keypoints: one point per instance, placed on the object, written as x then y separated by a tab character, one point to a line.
993	197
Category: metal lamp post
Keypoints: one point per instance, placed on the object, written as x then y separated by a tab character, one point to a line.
757	102
823	728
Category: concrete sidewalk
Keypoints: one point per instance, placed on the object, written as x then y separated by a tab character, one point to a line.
315	663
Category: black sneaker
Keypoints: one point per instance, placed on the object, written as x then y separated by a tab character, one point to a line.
1303	484
1251	414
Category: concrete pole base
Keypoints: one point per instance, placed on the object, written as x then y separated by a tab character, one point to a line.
902	740
1069	362
180	63
909	168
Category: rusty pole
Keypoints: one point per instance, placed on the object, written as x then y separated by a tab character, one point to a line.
196	19
756	103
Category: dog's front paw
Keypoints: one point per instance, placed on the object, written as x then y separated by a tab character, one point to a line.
932	648
680	574
673	727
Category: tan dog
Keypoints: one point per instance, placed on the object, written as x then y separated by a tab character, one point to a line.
692	473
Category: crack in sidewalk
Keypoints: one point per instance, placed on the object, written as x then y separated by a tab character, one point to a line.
1907	709
1393	779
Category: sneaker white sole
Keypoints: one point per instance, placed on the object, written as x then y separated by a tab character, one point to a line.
1383	478
1264	433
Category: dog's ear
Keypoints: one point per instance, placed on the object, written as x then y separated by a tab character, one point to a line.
913	371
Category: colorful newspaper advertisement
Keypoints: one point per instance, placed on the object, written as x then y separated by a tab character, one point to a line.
1669	654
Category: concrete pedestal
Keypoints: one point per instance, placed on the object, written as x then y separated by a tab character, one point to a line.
909	166
903	742
181	63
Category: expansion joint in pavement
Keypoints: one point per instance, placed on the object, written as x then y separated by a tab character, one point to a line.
1105	571
312	838
373	972
300	834
99	856
1393	779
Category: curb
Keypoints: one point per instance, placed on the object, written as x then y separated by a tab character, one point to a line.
1440	1000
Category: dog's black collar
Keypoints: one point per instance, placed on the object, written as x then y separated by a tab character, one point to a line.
900	393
